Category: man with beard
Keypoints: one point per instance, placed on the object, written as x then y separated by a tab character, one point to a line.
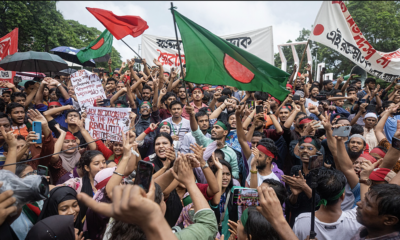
179	125
327	86
182	95
219	132
197	96
16	112
330	221
355	146
143	122
313	94
370	121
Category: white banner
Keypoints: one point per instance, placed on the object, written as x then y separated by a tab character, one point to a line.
257	42
335	28
102	122
87	87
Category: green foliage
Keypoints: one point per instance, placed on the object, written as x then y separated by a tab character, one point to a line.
42	27
379	21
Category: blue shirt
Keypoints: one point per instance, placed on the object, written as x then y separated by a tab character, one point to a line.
390	127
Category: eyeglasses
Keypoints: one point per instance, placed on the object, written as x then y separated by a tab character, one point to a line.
145	106
309	148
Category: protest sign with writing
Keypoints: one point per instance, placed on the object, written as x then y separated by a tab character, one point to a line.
8	46
335	28
87	87
257	42
102	122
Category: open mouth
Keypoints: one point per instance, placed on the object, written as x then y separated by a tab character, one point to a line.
304	156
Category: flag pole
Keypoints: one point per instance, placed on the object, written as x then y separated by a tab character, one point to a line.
133	51
302	57
179	53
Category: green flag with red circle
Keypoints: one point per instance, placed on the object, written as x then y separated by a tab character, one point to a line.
212	60
97	49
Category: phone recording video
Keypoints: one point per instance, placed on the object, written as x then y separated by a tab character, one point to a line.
316	162
246	197
342	131
42	170
144	173
259	109
320	97
396	143
296	97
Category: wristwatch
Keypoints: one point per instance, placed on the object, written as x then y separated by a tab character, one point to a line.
205	166
59	84
270	112
366	181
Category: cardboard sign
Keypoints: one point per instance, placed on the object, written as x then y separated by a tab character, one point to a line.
87	87
107	123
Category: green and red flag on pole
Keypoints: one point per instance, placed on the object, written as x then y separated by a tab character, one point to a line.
212	60
98	50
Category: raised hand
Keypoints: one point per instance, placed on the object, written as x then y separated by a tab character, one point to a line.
35	115
313	109
367	167
6	204
9	137
198	152
216	161
163	92
157	62
185	172
254	161
109	62
153	126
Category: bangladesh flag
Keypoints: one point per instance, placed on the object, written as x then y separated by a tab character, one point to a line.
212	60
98	50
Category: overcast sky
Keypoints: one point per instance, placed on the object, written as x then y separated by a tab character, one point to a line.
221	18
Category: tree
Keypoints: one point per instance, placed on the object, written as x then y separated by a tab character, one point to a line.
379	23
42	27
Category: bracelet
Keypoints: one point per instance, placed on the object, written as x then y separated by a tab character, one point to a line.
119	174
253	172
148	130
319	114
59	84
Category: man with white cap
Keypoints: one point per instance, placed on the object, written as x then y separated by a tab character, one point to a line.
370	120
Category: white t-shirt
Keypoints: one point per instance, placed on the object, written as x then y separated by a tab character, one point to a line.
344	228
260	178
179	129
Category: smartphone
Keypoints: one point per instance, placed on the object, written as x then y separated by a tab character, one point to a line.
37	128
296	97
316	162
371	108
106	102
320	97
42	170
363	100
96	70
144	173
319	125
342	131
245	197
396	143
138	61
259	109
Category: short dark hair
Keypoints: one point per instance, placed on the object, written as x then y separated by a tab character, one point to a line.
72	110
220	152
174	103
279	189
222	98
326	82
3	115
386	104
17	94
13	105
356	129
330	183
147	87
206	96
387	198
226	91
29	83
299	114
349	89
368	80
2	105
258	134
270	145
258	95
20	168
356	81
200	114
168	95
111	80
312	87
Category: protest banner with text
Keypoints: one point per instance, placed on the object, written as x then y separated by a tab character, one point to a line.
107	123
257	42
335	28
8	46
87	87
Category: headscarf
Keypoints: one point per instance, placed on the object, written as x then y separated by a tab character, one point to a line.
60	227
96	223
57	196
69	160
310	140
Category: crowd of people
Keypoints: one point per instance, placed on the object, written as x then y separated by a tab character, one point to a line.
205	142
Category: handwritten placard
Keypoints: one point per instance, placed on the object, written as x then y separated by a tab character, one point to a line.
87	87
107	123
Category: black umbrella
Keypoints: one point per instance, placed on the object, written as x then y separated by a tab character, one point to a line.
69	54
33	62
67	71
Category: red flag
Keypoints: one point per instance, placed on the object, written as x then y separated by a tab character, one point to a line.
120	26
8	46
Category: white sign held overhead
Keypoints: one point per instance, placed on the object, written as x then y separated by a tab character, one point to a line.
257	42
87	87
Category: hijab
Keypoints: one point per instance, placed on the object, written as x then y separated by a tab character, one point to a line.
57	196
60	227
69	160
